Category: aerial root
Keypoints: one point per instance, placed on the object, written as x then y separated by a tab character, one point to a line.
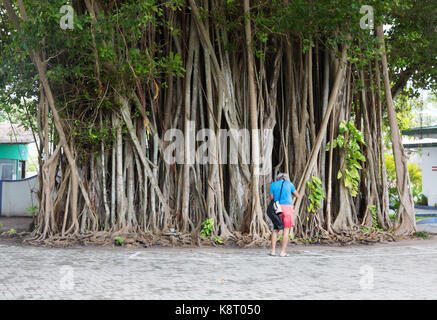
237	239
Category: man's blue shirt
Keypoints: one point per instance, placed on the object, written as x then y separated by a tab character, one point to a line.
287	190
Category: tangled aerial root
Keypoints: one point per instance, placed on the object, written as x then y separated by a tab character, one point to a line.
236	239
356	236
143	239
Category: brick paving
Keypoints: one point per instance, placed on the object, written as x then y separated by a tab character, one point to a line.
402	270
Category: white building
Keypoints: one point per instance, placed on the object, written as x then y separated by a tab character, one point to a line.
427	143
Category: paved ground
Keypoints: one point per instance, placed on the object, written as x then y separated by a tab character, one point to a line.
402	270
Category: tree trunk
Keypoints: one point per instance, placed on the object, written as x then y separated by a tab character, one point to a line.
405	223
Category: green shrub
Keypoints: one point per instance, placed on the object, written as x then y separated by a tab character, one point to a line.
421	234
415	180
218	240
375	217
349	140
207	228
11	232
119	241
33	210
422	200
316	194
281	236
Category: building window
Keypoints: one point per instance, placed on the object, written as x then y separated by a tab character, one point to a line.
21	169
8	169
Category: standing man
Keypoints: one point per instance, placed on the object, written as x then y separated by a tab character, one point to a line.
286	203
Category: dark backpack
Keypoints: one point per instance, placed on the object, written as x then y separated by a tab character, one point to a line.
271	213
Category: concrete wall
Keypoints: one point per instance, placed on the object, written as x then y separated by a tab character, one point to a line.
17	195
429	174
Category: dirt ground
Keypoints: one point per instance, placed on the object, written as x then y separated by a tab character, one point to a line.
20	224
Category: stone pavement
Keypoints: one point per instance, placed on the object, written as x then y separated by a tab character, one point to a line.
401	270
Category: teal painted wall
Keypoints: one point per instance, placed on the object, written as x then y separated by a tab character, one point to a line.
13	151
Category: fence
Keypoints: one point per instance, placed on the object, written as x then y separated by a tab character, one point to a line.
17	195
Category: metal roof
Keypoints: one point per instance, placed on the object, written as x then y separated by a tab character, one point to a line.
420	145
425	131
14	134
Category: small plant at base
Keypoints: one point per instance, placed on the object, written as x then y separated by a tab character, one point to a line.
218	240
207	228
33	210
316	194
11	232
421	234
119	241
281	236
375	217
1	226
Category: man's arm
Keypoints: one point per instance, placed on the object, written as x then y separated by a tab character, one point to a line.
296	194
271	196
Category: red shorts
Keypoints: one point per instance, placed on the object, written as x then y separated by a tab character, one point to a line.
287	215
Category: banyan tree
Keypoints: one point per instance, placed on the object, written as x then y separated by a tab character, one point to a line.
108	95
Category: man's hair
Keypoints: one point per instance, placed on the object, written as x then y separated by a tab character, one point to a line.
282	175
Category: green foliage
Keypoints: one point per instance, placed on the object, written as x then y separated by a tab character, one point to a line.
375	217
308	240
422	200
316	194
207	228
281	236
12	232
119	32
118	241
218	240
32	164
421	234
349	140
415	180
1	226
33	210
413	31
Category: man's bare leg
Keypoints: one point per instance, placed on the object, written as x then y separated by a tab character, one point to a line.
284	241
274	239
